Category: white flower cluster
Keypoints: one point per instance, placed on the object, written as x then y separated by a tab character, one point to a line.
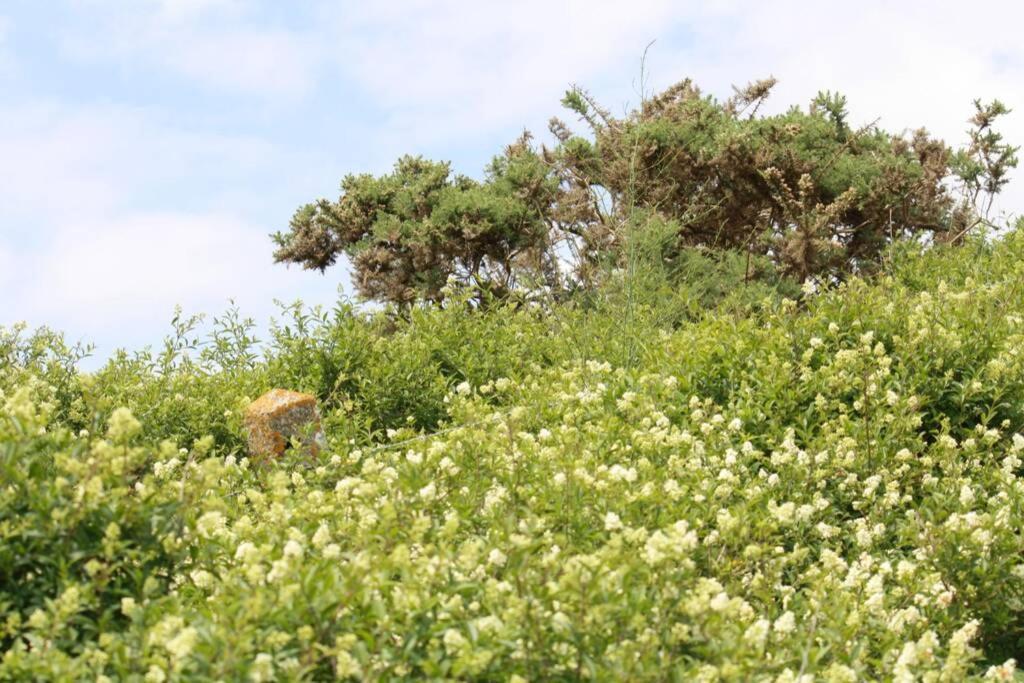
793	497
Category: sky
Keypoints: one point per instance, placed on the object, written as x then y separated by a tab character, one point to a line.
149	147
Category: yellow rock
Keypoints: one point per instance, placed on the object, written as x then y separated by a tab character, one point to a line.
276	416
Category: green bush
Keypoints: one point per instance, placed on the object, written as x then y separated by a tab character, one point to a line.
825	486
82	536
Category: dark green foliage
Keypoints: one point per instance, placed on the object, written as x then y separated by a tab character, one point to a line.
801	191
408	232
801	187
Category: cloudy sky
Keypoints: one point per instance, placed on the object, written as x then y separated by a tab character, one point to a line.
148	147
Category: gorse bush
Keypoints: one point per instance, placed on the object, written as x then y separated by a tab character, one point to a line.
407	232
820	486
801	194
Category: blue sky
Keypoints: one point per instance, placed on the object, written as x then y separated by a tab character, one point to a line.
148	147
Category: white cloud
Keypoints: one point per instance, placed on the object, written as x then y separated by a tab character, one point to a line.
450	73
264	62
183	9
210	43
912	64
6	58
117	280
76	252
112	270
115	269
61	161
457	68
58	161
8	277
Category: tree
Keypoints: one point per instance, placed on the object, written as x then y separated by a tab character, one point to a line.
408	232
801	187
801	190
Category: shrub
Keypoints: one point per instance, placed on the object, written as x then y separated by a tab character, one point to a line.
826	486
801	191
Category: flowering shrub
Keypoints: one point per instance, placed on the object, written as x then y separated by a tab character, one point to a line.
827	489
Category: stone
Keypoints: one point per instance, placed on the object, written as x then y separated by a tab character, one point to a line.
278	415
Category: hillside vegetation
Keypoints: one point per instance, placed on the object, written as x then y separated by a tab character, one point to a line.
826	487
656	464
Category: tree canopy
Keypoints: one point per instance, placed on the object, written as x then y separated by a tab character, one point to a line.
802	190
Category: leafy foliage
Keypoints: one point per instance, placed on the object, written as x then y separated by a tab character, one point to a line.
410	231
801	191
827	486
802	187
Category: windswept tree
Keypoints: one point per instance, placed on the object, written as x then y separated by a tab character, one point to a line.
409	231
817	196
802	190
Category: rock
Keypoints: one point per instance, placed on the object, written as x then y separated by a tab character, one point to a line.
276	416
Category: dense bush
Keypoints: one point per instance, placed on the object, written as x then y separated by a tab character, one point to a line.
407	232
801	194
81	536
825	486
